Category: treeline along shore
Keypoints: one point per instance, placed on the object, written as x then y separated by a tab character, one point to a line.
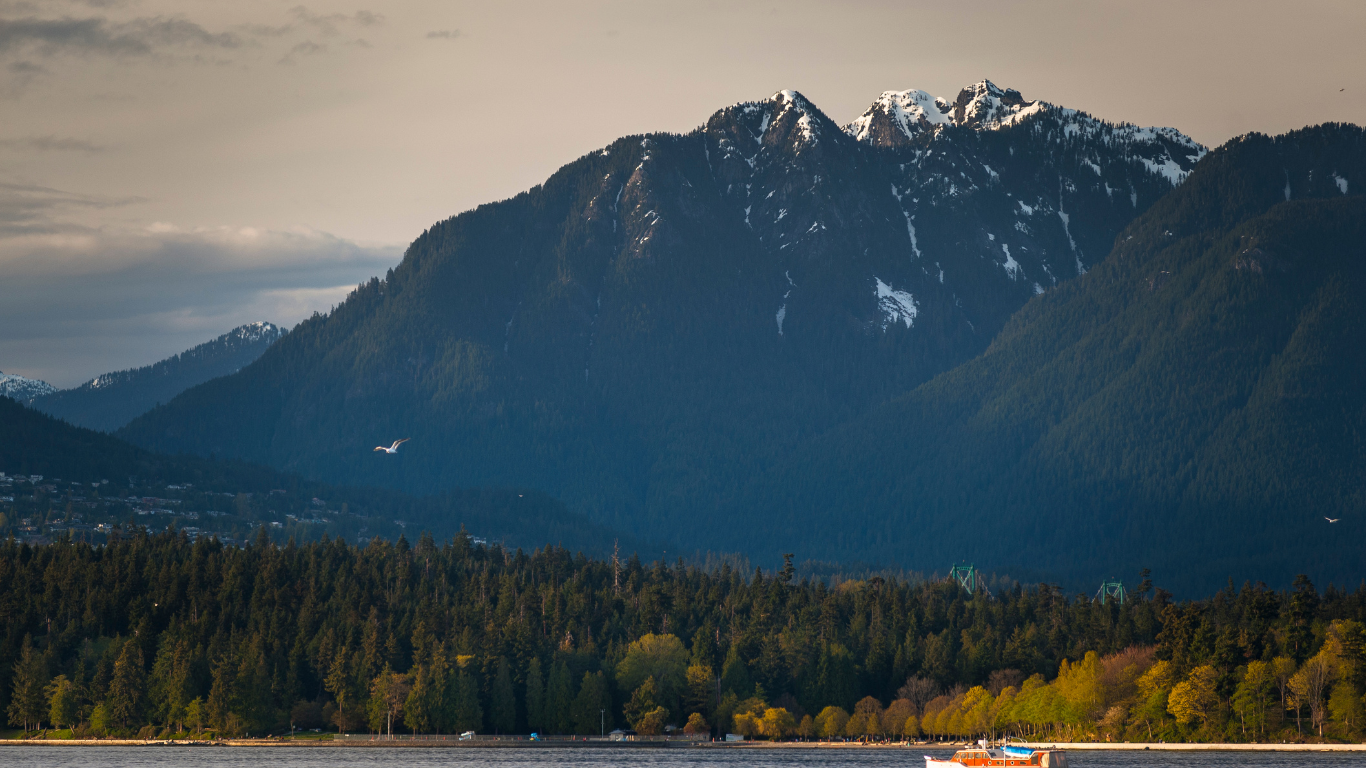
155	636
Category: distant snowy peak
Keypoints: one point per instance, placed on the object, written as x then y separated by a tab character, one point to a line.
23	389
983	105
899	115
253	332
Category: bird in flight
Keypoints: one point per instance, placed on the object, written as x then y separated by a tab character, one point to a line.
1332	519
393	448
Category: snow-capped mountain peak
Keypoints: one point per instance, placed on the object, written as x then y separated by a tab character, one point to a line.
897	116
908	112
984	105
22	388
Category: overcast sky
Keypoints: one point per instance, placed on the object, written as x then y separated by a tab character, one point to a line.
169	170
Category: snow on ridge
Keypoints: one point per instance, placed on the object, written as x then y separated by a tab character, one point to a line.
22	388
895	305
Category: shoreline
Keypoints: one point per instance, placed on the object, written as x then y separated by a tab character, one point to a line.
602	744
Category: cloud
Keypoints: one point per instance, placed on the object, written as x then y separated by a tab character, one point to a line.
306	48
78	303
50	143
327	23
140	37
443	34
29	210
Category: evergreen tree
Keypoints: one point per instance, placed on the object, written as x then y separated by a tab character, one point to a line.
735	674
27	703
468	714
559	698
535	696
592	706
503	704
126	688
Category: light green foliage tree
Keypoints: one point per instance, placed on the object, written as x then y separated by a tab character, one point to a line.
100	721
1311	685
62	702
696	724
778	723
1080	684
1254	695
1195	697
661	657
194	714
644	700
700	693
388	692
1345	706
652	723
830	722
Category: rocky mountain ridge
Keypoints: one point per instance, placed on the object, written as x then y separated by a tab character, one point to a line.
668	317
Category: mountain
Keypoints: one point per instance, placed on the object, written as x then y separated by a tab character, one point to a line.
111	400
23	389
104	479
1192	404
669	317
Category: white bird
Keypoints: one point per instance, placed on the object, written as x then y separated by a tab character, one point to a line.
1332	519
393	448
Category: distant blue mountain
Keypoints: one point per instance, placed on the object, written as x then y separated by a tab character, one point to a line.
111	400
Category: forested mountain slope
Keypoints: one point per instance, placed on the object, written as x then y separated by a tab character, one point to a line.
1193	404
111	400
665	318
96	475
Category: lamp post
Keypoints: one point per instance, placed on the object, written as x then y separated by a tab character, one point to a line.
602	720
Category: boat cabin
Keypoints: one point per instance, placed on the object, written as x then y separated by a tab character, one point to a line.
991	757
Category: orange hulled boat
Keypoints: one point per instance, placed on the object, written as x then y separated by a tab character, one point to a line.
1004	755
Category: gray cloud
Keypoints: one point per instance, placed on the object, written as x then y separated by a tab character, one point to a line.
443	34
327	23
50	143
29	209
98	36
76	305
306	48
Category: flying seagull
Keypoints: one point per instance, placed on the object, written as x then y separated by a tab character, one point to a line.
393	448
1332	519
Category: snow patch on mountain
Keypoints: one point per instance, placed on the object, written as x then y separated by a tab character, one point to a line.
895	305
1011	266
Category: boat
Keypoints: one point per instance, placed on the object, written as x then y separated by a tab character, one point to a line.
1003	755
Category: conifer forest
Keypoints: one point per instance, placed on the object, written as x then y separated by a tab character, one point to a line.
155	635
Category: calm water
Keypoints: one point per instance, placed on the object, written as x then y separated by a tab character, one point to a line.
341	757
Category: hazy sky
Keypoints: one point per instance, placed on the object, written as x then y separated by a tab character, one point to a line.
169	170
